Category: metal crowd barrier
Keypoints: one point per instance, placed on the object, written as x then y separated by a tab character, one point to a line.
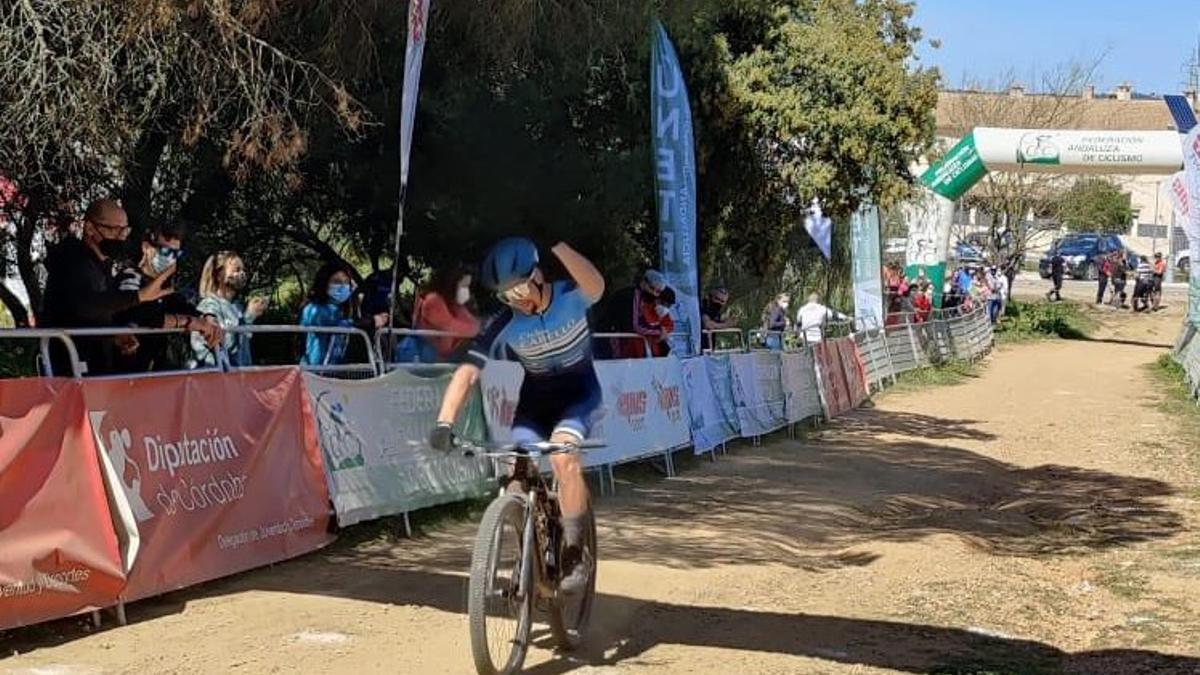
712	336
389	364
79	367
343	370
44	337
758	339
647	352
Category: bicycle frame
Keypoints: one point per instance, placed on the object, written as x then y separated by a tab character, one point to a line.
540	514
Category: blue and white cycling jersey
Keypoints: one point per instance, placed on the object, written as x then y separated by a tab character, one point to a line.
555	343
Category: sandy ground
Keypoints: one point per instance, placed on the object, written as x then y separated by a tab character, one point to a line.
1040	517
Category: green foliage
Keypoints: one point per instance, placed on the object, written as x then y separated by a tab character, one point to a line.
1025	320
16	360
1095	205
529	122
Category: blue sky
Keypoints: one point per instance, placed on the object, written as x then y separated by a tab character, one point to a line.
1145	42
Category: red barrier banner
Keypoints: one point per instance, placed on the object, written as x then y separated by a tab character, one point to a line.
856	374
833	378
221	472
59	554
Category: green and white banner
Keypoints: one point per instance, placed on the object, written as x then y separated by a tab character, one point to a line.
931	217
373	439
867	271
929	220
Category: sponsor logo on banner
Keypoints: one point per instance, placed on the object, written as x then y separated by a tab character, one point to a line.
1038	148
631	406
669	400
341	443
206	488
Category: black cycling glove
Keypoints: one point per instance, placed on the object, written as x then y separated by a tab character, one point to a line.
442	437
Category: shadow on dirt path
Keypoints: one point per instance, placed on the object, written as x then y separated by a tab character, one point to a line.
626	628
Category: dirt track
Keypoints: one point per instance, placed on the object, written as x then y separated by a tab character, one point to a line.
1041	517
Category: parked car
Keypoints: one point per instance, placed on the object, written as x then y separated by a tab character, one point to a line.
1183	262
967	254
1082	254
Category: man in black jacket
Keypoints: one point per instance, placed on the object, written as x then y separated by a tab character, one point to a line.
82	289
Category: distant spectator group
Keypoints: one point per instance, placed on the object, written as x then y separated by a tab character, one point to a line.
1112	281
98	282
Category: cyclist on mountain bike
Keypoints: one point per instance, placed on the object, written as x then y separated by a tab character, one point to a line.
545	327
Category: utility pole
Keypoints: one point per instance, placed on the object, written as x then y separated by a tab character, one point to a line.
1191	74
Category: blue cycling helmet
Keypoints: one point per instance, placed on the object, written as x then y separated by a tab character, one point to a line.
511	261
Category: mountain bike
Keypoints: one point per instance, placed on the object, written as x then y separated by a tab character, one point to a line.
515	563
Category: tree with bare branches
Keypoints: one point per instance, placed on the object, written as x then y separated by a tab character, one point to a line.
94	93
1011	207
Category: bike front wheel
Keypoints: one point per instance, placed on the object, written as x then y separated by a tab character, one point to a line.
500	595
569	615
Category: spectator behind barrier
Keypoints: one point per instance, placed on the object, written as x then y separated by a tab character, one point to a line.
922	302
330	305
813	316
441	306
82	289
775	320
712	309
223	277
376	293
712	313
656	314
162	248
621	312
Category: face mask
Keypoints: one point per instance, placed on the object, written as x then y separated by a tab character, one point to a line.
339	293
662	310
783	304
463	295
236	281
112	248
160	262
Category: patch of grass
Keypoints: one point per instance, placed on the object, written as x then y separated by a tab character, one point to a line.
1024	321
942	375
1124	582
1177	400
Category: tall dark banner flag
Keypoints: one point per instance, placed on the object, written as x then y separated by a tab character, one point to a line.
675	183
414	55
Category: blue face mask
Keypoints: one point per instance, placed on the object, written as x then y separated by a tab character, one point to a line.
339	293
160	262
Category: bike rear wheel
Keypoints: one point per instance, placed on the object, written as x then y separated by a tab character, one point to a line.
500	596
569	616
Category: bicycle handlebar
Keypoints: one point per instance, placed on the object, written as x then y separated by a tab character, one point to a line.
530	450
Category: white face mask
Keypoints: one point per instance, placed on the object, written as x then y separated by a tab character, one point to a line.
783	304
463	295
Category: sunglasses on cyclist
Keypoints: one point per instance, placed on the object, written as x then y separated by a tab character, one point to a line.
518	293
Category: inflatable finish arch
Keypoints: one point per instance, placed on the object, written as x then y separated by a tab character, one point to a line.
1040	150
